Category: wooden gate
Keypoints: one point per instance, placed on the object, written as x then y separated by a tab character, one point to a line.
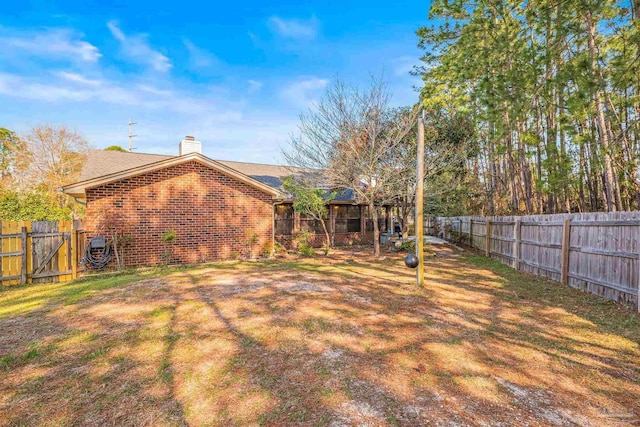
38	252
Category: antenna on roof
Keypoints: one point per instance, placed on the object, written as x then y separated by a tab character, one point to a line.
131	135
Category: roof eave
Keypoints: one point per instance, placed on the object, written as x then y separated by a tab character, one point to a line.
78	189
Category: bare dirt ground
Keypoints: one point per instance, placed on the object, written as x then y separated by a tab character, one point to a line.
346	340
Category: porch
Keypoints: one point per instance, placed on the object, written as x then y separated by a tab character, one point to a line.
347	224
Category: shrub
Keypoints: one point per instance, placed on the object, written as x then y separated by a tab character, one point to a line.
168	237
267	249
252	239
302	245
408	246
299	238
306	249
278	248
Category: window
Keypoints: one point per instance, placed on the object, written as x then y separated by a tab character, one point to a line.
307	223
382	221
347	219
284	219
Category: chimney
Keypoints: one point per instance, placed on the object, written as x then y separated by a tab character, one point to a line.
189	145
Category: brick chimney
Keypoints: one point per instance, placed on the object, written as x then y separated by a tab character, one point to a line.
189	145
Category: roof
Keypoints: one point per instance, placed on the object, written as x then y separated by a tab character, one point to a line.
115	172
273	175
104	164
269	174
101	162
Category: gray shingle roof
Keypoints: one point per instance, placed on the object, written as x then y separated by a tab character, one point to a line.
100	163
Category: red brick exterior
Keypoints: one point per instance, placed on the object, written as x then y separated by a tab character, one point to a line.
213	215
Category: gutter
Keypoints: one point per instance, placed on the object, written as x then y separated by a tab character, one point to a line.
75	199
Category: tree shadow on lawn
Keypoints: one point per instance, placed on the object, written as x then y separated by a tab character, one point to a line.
411	352
96	362
21	300
328	341
586	335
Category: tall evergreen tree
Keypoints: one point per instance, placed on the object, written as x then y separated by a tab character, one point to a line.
552	87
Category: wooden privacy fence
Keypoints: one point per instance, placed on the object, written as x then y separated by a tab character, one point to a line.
38	252
430	226
595	252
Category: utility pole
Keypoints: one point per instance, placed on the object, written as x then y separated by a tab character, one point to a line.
420	203
131	135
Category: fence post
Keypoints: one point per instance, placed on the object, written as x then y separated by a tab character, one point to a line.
487	239
516	244
447	230
23	267
470	232
566	233
74	253
29	259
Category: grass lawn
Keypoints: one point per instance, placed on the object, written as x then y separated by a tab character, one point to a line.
339	341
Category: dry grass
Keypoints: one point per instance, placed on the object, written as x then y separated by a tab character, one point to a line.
344	340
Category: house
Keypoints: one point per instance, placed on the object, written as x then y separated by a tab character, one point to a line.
218	209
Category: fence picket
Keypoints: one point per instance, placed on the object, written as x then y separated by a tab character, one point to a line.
594	252
48	247
566	236
516	245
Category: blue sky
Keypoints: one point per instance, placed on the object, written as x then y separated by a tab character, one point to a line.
234	74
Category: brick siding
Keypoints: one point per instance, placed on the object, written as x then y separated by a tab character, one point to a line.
214	216
340	239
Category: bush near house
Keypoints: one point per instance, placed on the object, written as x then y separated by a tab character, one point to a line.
31	206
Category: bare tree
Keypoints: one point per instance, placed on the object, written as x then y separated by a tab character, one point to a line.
354	135
117	225
56	156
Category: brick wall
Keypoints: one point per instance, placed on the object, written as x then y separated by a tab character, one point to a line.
340	239
214	216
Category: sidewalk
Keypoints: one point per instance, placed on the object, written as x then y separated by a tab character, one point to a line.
430	240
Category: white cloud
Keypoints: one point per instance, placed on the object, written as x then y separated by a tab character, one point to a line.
154	90
254	86
71	87
304	93
56	43
54	72
228	127
136	48
200	58
295	28
78	78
